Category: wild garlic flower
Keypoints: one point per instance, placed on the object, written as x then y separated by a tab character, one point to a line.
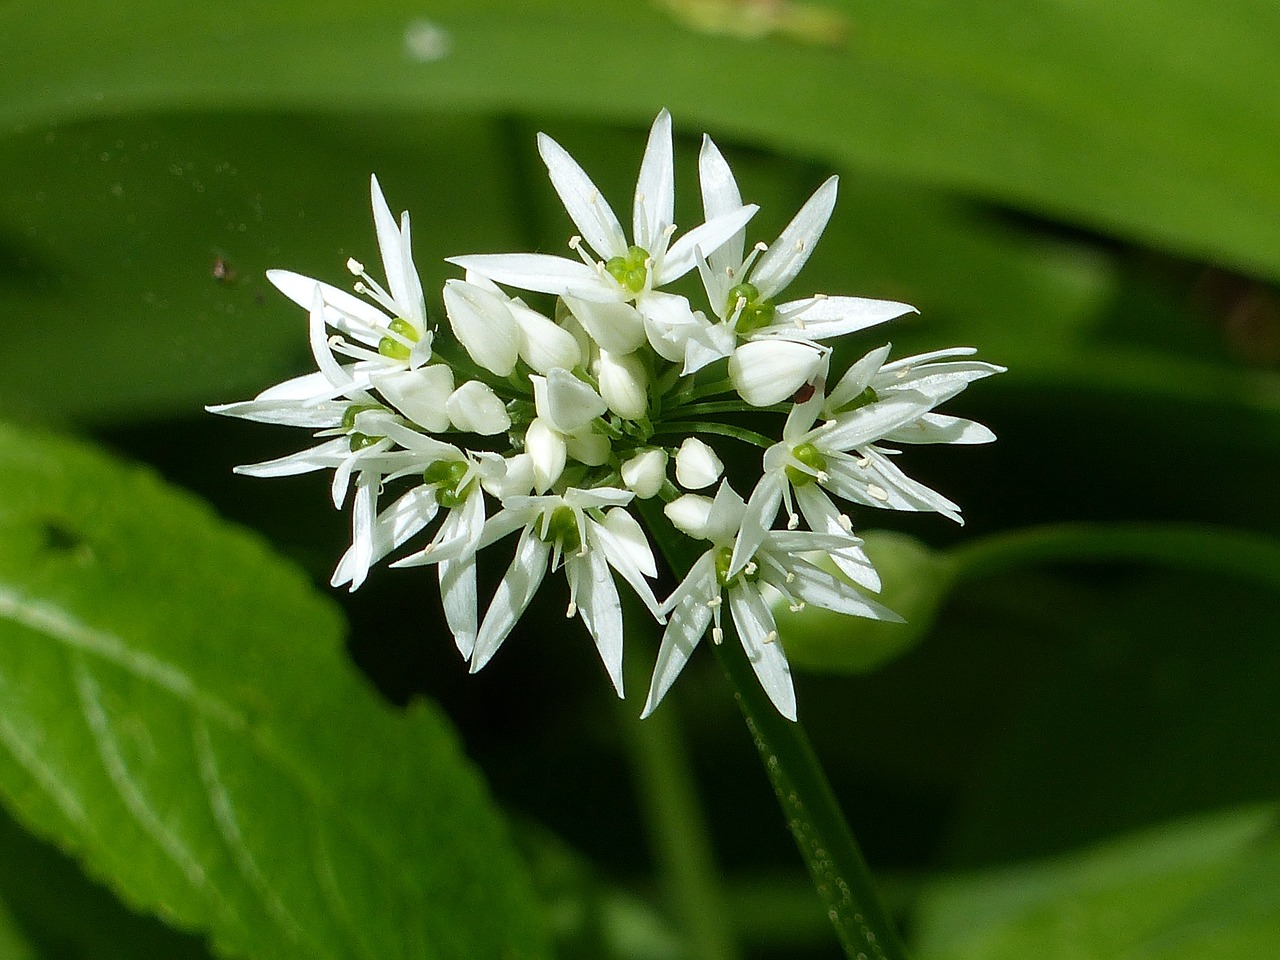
558	421
777	563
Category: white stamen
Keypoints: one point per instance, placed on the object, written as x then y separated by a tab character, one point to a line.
799	246
771	636
791	577
819	296
571	611
750	568
355	266
717	636
669	229
903	372
595	195
793	522
715	602
880	493
797	607
845	523
822	476
574	241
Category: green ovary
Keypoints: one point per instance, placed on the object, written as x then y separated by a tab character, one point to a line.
807	454
562	528
755	313
395	348
630	271
447	476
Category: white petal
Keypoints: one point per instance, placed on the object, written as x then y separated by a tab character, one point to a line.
939	428
668	322
768	372
544	344
654	207
821	318
871	422
624	384
686	628
625	541
292	413
782	261
460	601
546	449
855	380
697	465
355	563
483	325
708	238
512	597
591	213
565	402
726	515
759	636
600	609
541	272
326	455
720	195
419	394
402	278
646	472
614	326
475	408
395	525
821	589
689	514
757	519
516	479
342	306
706	344
821	515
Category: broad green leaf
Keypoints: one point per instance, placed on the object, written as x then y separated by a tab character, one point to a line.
13	943
176	710
1204	887
1148	119
65	915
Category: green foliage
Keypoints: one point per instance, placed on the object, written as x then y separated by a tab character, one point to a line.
175	708
1175	892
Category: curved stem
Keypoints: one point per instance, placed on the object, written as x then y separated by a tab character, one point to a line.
1184	546
693	428
817	824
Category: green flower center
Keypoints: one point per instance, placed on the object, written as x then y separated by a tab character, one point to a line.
755	313
861	400
562	528
447	476
358	441
724	557
395	348
807	454
630	271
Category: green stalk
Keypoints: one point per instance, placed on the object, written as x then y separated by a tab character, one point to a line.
830	852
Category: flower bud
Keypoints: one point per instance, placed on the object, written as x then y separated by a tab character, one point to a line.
419	394
475	408
614	326
484	325
769	371
624	384
546	449
515	480
697	465
565	402
588	447
689	514
543	344
645	473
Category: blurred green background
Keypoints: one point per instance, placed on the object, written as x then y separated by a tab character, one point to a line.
1073	752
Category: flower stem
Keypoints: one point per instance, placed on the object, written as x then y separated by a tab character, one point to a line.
827	845
677	827
831	853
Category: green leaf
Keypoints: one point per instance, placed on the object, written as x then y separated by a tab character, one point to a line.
13	944
1204	887
66	916
176	710
1143	118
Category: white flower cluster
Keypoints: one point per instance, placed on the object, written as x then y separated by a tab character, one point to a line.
554	426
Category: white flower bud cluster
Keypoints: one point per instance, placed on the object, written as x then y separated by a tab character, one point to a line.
555	419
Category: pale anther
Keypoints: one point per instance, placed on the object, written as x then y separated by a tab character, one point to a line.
717	635
771	636
793	522
355	266
750	568
571	611
574	241
819	296
878	492
845	523
791	577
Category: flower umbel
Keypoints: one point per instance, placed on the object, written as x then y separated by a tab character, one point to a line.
555	425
